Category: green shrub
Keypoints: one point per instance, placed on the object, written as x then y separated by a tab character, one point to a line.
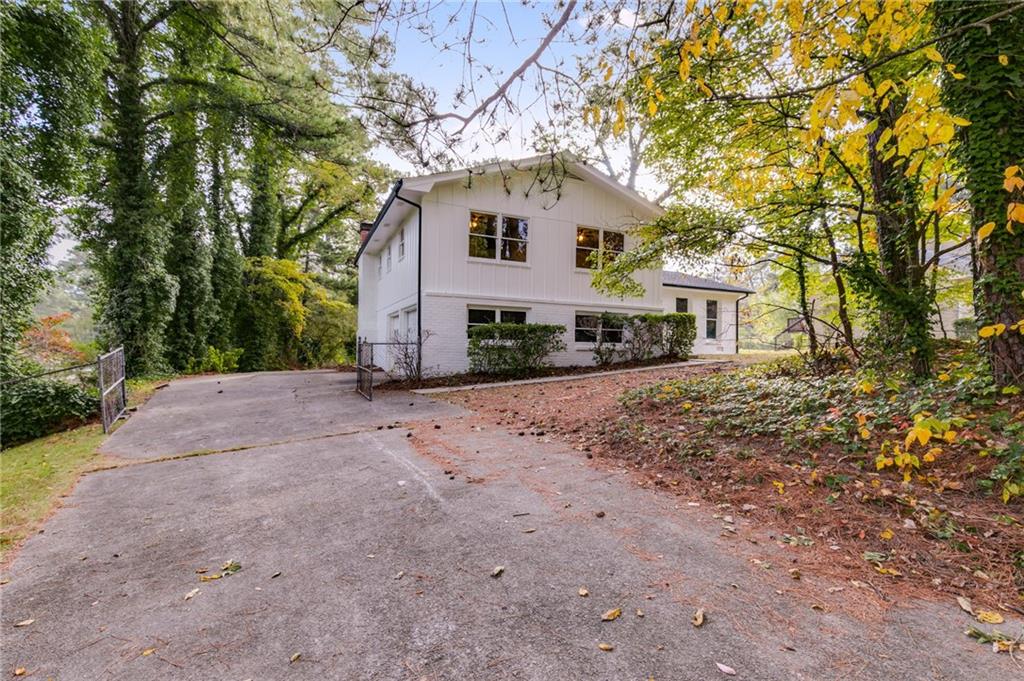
38	407
680	329
606	351
966	329
513	349
330	330
215	361
645	336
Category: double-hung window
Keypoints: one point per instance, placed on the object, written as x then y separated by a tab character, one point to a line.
682	304
498	237
401	244
589	325
490	315
711	322
596	248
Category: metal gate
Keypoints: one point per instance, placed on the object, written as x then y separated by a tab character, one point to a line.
364	369
113	389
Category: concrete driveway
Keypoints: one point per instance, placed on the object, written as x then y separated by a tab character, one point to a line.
371	554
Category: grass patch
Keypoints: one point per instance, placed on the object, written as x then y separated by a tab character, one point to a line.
36	474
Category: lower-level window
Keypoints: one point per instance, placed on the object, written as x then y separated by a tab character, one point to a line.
682	304
491	315
711	323
590	324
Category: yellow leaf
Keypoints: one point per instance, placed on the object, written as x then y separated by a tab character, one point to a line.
933	54
985	230
950	436
20	671
887	534
1012	184
295	657
1003	59
930	455
780	487
652	106
611	615
989	617
943	377
865	433
148	651
1011	171
606	647
1015	212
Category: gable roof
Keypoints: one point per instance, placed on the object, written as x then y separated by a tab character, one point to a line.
416	186
680	280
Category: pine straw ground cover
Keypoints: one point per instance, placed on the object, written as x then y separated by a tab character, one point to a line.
872	479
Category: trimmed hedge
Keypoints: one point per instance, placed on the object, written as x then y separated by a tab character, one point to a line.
680	329
513	349
38	407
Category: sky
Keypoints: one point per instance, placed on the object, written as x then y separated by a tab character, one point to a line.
506	34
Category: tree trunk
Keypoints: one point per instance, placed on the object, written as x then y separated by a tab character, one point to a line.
990	97
139	294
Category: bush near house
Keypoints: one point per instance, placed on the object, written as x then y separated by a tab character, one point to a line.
38	407
646	336
513	349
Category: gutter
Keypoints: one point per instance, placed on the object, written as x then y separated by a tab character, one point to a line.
738	300
380	216
419	270
745	292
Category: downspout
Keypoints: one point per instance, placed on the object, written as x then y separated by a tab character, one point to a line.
419	282
738	301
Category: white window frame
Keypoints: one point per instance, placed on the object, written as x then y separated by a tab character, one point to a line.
401	244
600	250
708	319
498	238
598	330
498	311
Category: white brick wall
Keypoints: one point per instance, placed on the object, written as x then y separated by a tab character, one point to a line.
445	317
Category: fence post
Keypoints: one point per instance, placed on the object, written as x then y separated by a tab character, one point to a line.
124	379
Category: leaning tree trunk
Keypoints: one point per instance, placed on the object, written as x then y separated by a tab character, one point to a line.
990	97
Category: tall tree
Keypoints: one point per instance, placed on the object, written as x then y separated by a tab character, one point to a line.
49	68
990	94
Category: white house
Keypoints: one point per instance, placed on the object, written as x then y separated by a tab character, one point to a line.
512	242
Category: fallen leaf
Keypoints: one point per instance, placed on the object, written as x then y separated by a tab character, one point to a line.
200	571
986	616
639	612
497	572
295	657
20	671
611	615
606	647
24	623
886	534
231	567
209	578
583	592
725	669
530	530
794	573
148	651
191	593
698	618
965	604
275	575
399	575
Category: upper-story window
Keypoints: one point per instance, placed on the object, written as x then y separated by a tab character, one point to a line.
597	247
401	244
711	323
682	304
389	257
498	237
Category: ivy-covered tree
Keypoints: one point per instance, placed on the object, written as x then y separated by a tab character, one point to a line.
988	91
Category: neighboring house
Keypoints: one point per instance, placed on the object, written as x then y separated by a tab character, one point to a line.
512	242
